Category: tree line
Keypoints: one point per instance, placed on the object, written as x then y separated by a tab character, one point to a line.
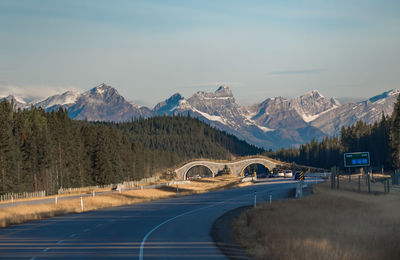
381	140
47	151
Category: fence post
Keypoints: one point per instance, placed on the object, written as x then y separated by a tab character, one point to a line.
384	186
56	200
369	183
333	176
255	199
81	204
388	186
338	181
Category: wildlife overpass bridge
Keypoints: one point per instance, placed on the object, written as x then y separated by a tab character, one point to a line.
236	167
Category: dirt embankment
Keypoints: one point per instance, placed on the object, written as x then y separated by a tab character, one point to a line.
330	224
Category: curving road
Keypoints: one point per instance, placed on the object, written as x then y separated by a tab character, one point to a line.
176	228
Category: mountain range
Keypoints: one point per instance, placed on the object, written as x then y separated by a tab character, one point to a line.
274	123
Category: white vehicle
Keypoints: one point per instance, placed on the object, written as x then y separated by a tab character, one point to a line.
288	174
280	174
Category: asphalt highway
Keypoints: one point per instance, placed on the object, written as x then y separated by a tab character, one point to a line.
176	228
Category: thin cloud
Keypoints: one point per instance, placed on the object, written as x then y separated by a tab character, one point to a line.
213	84
296	72
32	93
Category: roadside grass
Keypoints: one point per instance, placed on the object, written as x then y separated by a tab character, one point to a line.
26	213
330	224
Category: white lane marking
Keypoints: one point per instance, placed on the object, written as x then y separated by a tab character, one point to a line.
45	250
59	242
191	211
86	230
72	235
33	258
169	220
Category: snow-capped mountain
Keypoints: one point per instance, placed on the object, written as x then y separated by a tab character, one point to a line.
57	101
312	105
101	103
17	102
293	113
104	103
369	111
219	109
274	123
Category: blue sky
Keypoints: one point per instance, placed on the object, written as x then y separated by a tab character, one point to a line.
150	50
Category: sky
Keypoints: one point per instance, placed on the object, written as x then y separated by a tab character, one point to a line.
149	50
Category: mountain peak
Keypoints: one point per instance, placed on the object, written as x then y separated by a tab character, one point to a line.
224	90
169	104
313	93
103	88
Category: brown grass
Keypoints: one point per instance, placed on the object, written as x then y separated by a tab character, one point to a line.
330	224
25	213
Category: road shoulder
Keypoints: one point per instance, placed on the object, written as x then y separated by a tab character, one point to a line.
222	234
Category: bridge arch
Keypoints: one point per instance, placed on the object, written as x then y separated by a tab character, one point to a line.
253	163
185	177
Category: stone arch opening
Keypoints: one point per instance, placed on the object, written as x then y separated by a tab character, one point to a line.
260	169
197	172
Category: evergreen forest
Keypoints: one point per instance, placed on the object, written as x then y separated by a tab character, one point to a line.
47	151
381	140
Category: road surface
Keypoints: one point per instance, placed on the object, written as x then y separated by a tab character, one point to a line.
176	228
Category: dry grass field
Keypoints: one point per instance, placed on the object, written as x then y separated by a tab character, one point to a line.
25	213
330	224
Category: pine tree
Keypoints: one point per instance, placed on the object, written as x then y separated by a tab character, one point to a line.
395	134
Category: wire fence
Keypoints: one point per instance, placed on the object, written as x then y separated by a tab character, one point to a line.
375	183
22	195
126	185
80	190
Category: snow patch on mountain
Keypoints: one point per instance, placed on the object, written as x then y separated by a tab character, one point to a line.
66	98
211	117
265	129
309	118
